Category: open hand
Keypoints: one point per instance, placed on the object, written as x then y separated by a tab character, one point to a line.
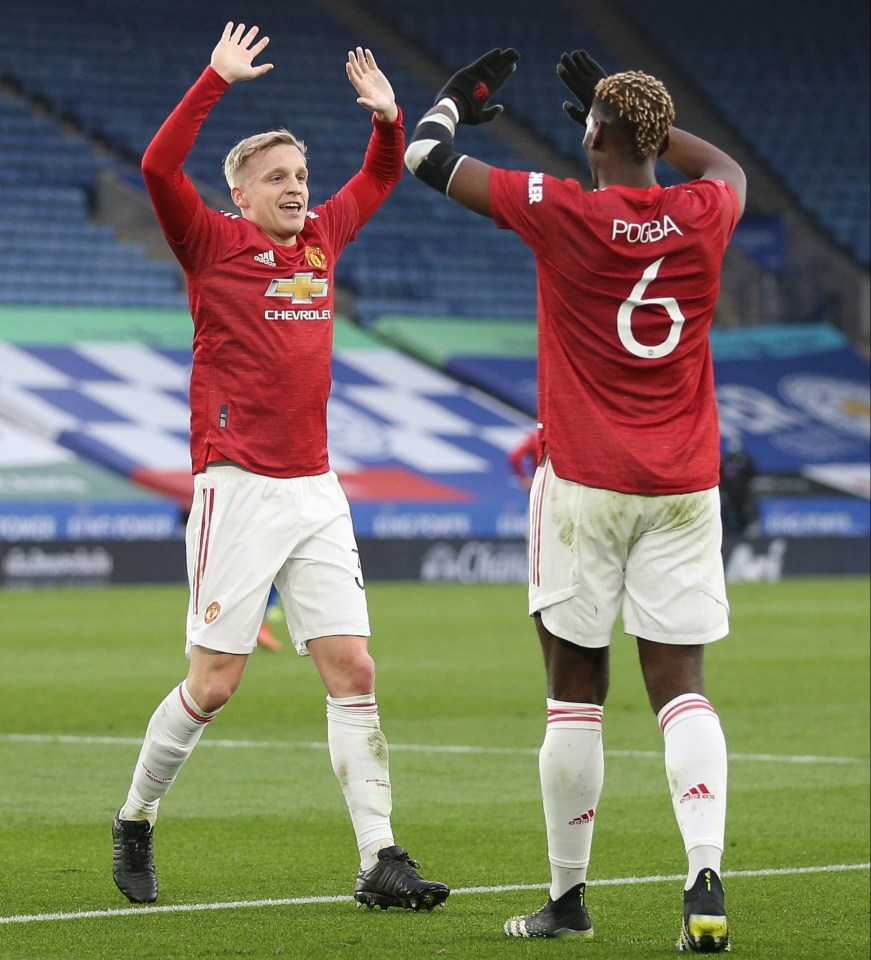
232	57
472	87
375	92
580	73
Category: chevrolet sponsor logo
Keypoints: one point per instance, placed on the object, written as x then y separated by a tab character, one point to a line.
300	288
297	314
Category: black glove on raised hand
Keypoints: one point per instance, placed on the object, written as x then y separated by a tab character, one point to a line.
580	73
471	87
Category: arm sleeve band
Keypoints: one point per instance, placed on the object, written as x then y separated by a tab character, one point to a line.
430	155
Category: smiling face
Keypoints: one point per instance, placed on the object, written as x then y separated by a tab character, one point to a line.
272	191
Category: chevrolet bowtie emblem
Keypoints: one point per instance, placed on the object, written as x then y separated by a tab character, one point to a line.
300	288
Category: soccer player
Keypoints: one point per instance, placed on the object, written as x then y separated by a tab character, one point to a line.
624	510
267	507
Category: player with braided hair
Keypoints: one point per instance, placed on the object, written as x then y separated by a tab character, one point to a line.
624	508
640	106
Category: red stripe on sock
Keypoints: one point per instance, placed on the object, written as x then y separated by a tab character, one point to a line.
698	704
199	717
579	716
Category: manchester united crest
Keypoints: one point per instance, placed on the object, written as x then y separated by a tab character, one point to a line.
315	257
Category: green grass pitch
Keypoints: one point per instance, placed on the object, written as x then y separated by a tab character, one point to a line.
254	847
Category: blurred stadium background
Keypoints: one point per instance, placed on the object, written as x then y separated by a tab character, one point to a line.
435	364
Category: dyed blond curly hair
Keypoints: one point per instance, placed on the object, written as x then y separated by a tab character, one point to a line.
642	103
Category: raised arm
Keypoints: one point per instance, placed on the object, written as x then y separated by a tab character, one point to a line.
689	155
464	99
699	160
173	196
382	166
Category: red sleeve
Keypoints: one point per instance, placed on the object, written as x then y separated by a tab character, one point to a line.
173	196
382	167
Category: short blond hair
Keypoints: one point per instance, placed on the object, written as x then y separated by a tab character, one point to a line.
643	104
245	150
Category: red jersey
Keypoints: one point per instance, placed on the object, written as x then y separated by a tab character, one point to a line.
262	312
627	284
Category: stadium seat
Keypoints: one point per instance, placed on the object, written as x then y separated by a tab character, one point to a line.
118	79
792	64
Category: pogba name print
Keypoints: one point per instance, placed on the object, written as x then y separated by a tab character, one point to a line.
648	232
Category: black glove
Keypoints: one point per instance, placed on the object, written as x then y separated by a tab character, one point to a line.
580	73
471	87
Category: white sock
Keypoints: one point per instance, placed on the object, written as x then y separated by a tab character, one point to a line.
173	731
571	765
358	750
696	765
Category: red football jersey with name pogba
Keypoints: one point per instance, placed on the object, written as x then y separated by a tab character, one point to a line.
627	284
262	312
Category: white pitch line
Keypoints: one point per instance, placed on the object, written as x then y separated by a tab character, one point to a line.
304	901
409	747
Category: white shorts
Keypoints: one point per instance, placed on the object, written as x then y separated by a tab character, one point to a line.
591	550
246	531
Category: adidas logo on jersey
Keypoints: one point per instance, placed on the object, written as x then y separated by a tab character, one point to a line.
267	257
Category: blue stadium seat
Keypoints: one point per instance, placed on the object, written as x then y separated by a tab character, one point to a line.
50	250
795	64
119	78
